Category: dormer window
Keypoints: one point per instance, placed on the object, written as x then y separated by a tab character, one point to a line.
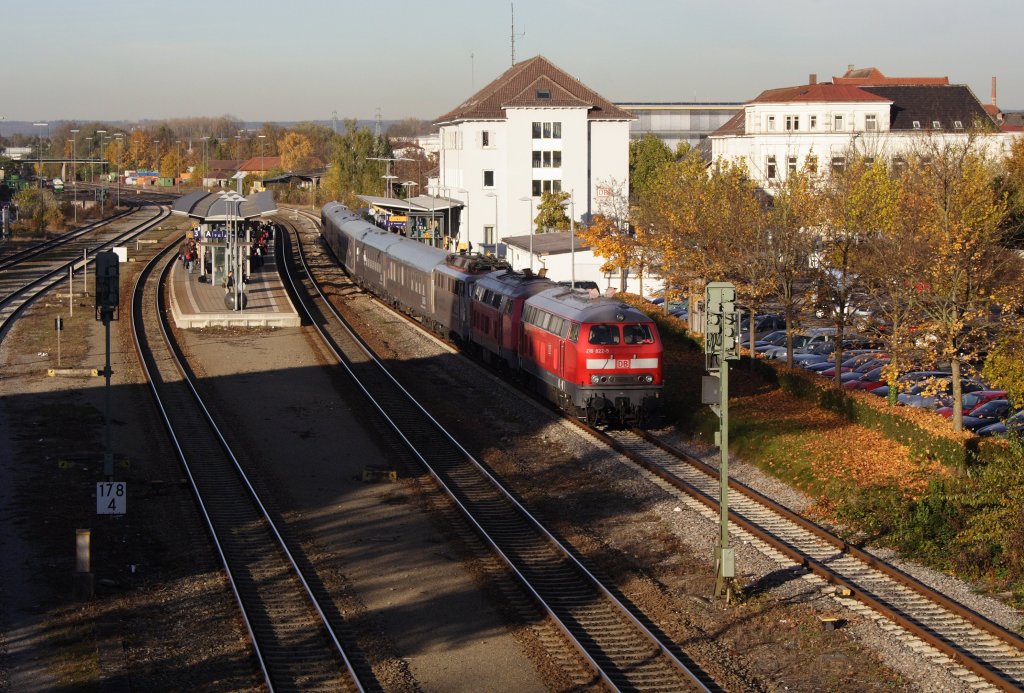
543	93
917	124
958	125
936	125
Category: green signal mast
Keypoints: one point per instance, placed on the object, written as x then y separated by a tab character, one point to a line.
721	345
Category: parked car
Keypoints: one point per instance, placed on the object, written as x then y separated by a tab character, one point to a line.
763	325
802	342
992	412
770	340
857	358
867	380
1013	424
972	400
934	392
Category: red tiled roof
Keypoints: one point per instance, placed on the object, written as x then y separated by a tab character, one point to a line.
872	76
820	92
520	86
737	125
261	163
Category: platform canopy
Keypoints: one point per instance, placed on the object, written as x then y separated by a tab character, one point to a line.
421	204
221	206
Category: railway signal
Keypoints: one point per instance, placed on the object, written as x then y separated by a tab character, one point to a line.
108	296
721	345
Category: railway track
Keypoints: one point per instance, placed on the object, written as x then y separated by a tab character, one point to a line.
622	647
985	649
27	275
982	652
292	624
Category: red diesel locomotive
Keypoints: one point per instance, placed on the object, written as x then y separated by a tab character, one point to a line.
596	357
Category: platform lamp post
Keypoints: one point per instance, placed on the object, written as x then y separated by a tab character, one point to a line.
74	171
530	200
461	190
40	176
408	218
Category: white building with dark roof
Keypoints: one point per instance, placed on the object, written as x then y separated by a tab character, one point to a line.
816	126
534	129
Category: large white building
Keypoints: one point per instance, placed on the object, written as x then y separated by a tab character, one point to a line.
534	129
818	125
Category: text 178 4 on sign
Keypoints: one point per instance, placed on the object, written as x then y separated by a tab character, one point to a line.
111	497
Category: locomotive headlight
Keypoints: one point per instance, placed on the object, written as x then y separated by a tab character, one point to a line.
595	379
649	378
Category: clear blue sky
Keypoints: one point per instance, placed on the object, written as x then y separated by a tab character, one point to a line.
302	59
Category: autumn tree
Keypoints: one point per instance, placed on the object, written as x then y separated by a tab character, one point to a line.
611	236
38	210
789	245
855	205
296	151
672	210
739	234
353	170
646	156
551	215
966	274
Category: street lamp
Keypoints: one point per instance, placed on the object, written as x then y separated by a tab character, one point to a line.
74	171
206	161
41	126
572	237
120	155
495	196
530	200
91	170
103	137
177	165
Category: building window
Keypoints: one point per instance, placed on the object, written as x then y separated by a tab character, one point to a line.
487	139
838	122
814	122
543	93
871	122
771	168
812	164
536	159
838	164
488	234
792	122
771	122
936	125
791	164
547	131
488	179
546	186
556	159
958	125
917	124
899	164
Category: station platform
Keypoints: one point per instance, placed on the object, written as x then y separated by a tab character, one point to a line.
196	304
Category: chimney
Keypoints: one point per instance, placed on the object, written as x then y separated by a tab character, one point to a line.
813	79
993	91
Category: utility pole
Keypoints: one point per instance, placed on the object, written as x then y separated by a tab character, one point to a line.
721	345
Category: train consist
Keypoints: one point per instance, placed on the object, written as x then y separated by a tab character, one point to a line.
595	357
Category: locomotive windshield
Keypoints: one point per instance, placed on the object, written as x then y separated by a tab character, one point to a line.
604	334
637	334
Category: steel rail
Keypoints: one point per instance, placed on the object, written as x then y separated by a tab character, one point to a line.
248	514
12	305
802	557
458	495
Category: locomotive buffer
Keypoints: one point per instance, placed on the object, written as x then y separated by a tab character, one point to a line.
721	345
